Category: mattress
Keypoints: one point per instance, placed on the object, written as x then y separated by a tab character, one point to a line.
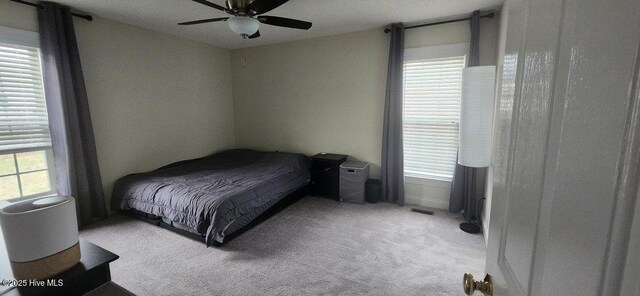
215	195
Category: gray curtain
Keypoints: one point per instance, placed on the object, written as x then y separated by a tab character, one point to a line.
392	153
74	149
467	186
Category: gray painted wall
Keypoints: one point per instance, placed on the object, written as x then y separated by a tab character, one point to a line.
154	98
327	95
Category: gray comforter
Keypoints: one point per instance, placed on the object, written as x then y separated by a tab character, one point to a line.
214	194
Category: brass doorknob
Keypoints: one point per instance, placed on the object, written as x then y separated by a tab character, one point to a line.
470	285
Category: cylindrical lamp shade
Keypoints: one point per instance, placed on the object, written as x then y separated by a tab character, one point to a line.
476	116
41	236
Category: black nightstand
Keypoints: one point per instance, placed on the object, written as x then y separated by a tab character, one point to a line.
325	174
91	272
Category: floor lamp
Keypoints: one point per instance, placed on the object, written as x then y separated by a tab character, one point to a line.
476	119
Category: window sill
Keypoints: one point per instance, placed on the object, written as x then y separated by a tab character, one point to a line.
427	181
26	198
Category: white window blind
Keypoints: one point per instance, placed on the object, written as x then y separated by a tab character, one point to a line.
432	90
23	113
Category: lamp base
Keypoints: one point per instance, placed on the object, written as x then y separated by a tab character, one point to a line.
470	227
48	266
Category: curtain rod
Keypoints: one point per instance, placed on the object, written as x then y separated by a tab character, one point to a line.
489	15
39	6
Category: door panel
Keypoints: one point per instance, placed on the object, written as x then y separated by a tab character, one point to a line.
629	193
512	24
529	139
600	43
631	276
564	185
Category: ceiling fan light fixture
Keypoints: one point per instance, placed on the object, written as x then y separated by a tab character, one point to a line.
247	15
243	25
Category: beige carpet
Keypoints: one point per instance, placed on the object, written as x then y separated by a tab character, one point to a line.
314	247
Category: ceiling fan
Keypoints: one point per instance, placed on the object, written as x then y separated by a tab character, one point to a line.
247	16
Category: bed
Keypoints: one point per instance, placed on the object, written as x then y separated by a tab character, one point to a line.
215	196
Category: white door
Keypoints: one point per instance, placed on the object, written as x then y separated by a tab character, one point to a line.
565	167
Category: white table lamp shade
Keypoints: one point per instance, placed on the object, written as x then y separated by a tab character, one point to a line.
476	116
36	229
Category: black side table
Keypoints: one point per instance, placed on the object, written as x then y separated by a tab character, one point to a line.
91	272
325	174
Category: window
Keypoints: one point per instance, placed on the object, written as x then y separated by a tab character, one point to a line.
25	143
432	90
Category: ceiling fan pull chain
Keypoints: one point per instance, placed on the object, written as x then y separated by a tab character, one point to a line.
244	49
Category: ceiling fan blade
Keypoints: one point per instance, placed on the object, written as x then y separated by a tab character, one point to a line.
264	6
216	6
284	22
254	36
204	21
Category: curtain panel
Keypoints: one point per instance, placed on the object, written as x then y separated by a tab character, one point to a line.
392	151
74	149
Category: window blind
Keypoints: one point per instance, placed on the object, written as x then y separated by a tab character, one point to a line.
432	91
23	112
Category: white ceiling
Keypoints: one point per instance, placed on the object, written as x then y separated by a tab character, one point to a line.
329	17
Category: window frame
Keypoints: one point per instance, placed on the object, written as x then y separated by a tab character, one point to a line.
425	53
436	51
19	37
50	172
28	39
